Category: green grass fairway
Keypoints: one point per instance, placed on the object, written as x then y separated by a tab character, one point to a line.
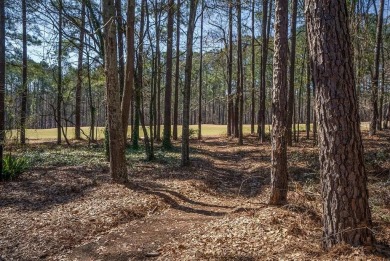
207	131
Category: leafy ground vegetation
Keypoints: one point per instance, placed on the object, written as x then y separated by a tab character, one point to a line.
66	208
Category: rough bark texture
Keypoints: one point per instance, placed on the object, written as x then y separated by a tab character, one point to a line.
177	72
23	111
347	216
2	81
375	79
253	67
168	79
279	176
80	74
240	78
118	167
185	149
129	75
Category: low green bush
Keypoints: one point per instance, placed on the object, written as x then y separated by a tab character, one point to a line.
13	167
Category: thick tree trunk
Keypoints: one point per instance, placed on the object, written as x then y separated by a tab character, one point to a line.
118	167
347	216
177	72
185	149
291	89
80	74
23	111
374	124
168	79
279	176
129	75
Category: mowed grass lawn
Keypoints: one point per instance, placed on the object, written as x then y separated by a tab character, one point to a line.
208	130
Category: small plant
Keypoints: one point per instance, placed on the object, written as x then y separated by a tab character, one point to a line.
193	133
13	167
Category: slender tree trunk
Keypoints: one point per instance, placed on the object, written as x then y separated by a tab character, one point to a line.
177	73
118	167
374	124
200	75
308	99
347	216
230	72
23	111
121	60
128	89
240	77
2	83
382	93
185	149
253	67
158	54
291	99
59	80
279	175
168	79
263	71
91	107
80	73
138	86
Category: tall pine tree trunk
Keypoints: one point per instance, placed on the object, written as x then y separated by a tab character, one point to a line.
59	79
23	111
168	79
128	89
200	75
346	213
118	167
374	124
177	72
230	73
2	82
279	176
80	73
185	149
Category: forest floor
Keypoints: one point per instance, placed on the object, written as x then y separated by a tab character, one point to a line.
66	208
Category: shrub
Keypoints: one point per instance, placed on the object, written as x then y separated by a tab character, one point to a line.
13	167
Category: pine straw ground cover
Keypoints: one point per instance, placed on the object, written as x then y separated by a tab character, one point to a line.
67	202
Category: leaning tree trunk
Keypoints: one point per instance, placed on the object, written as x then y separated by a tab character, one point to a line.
279	176
347	216
185	149
118	167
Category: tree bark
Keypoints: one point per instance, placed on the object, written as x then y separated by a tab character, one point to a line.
168	79
240	77
347	216
200	75
374	124
128	89
291	90
80	74
253	68
121	60
279	176
177	76
118	167
2	82
59	80
23	111
230	72
185	149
